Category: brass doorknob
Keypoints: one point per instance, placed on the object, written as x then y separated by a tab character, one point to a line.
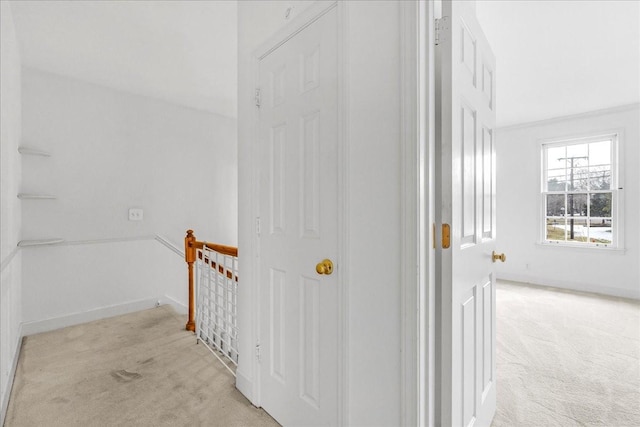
501	257
325	267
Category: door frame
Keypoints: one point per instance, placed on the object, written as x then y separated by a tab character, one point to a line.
299	23
418	245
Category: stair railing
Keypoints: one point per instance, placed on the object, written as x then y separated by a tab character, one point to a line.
213	295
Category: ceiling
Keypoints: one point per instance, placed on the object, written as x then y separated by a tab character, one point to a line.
183	52
554	58
558	58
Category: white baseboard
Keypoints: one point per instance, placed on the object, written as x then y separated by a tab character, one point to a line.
244	386
580	287
12	374
179	307
36	327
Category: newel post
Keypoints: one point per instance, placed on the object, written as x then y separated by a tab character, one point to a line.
190	258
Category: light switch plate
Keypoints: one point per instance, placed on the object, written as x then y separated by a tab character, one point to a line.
136	214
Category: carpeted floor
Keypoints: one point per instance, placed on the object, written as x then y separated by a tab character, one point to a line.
140	369
563	359
566	358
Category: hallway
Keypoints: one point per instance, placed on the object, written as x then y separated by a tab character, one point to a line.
139	369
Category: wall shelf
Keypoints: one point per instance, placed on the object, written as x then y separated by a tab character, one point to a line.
29	196
39	242
31	151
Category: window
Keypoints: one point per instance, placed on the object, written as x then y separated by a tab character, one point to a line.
580	192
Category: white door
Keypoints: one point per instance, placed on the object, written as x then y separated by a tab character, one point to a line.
298	210
465	85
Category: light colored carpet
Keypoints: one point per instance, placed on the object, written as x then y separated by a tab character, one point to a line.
563	359
140	369
566	358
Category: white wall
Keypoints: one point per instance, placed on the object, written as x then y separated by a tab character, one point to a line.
72	284
518	209
111	151
374	213
10	216
373	373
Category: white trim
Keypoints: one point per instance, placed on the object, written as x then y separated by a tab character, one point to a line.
344	243
244	385
572	286
580	247
39	242
410	213
169	245
7	260
61	242
29	244
588	114
580	138
38	326
31	151
107	240
179	307
426	206
34	196
300	22
252	392
12	374
616	136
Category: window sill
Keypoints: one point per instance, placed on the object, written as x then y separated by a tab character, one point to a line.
616	250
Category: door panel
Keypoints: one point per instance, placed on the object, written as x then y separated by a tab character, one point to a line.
487	183
298	139
277	178
468	356
487	340
277	324
465	69
310	337
467	151
310	182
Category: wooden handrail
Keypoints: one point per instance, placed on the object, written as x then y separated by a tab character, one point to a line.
223	249
191	246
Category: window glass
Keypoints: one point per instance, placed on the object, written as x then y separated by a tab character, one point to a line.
579	192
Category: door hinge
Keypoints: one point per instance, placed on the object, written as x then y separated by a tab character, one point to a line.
442	24
258	226
258	352
258	97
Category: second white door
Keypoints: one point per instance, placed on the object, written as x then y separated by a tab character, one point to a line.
466	79
298	207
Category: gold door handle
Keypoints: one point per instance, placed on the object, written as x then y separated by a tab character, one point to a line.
325	267
495	257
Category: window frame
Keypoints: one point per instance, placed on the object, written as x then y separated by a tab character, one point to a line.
617	189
